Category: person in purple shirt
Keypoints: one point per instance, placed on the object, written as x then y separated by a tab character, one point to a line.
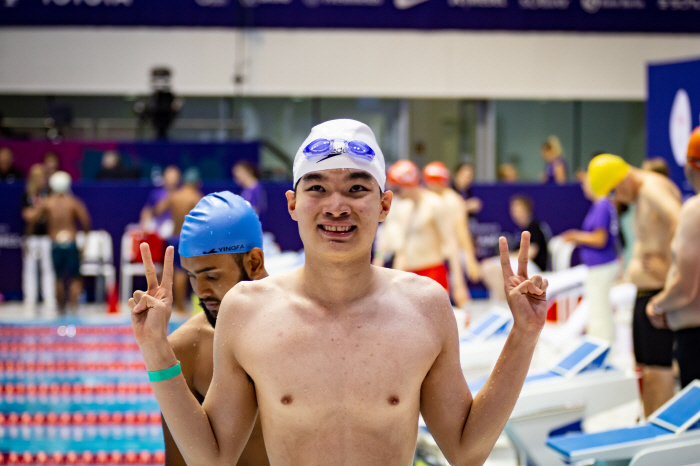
246	176
552	153
597	241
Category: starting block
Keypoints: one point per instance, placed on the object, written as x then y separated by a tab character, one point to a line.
557	401
483	342
670	437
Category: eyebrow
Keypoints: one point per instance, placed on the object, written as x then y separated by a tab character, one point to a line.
313	177
359	175
205	269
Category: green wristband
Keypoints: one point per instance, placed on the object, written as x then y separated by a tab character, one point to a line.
165	374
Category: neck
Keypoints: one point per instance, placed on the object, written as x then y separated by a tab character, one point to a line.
335	284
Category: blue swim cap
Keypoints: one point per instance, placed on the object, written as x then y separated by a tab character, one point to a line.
220	223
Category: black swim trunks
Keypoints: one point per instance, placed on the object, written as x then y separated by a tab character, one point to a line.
66	260
652	346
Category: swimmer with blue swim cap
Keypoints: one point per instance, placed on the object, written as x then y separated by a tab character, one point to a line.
220	245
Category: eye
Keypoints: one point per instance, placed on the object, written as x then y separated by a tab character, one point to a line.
316	188
358	188
212	278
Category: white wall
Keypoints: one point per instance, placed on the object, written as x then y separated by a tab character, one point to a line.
278	62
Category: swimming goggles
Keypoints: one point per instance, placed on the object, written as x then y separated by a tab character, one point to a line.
327	148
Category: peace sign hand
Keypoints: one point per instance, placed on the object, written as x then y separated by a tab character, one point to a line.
150	310
527	297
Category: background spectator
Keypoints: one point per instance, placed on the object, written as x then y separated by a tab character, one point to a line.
163	223
8	172
521	211
552	153
37	246
113	168
246	176
462	180
656	164
507	173
52	164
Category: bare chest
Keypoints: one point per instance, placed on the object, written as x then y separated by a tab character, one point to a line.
330	363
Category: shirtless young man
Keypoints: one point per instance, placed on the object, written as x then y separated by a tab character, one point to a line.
340	357
420	232
678	306
63	210
219	223
658	206
179	203
437	179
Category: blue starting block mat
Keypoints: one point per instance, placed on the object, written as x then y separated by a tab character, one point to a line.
667	424
681	412
589	355
495	322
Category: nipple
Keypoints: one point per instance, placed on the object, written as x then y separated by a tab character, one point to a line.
393	400
287	399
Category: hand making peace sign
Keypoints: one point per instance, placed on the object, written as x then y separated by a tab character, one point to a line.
150	310
527	297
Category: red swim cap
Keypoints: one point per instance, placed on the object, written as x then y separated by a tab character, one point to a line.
436	173
694	149
403	173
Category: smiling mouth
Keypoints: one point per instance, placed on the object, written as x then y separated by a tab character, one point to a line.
337	230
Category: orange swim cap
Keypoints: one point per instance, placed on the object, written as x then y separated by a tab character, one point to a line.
403	173
436	173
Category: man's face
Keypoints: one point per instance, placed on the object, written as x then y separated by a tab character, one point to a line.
520	213
5	159
211	277
693	176
464	177
171	178
338	212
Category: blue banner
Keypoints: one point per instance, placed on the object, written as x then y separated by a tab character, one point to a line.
543	15
673	110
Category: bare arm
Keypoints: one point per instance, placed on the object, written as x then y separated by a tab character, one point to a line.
666	203
466	429
559	173
81	213
445	225
162	206
594	239
682	287
195	428
466	243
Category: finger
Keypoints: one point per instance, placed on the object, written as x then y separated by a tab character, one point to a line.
146	303
544	285
131	303
151	276
523	257
167	281
527	287
138	295
505	258
537	281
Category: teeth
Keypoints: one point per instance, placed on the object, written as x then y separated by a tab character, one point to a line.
335	228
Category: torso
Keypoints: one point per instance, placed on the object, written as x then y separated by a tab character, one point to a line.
654	235
193	344
338	386
61	217
181	202
422	247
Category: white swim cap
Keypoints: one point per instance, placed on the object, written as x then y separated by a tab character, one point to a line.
340	144
60	182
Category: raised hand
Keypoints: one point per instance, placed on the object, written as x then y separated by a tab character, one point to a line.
150	310
527	297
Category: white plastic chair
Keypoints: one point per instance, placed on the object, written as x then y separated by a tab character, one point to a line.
128	268
560	252
97	258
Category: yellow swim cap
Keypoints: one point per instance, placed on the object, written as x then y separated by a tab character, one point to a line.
605	172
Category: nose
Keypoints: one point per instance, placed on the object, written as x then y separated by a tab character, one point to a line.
336	206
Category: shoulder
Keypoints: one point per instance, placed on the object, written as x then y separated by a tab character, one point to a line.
690	212
421	293
243	300
190	335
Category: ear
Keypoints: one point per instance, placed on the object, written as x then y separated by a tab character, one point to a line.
291	204
387	197
254	264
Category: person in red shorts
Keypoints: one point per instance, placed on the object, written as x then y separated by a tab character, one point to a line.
420	233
